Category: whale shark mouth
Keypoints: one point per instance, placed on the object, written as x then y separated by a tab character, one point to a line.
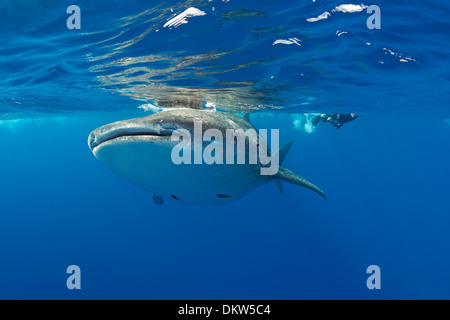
95	140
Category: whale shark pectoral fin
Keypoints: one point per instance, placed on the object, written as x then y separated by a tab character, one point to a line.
158	200
287	175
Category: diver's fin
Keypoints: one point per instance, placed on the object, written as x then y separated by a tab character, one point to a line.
158	200
247	117
280	187
287	175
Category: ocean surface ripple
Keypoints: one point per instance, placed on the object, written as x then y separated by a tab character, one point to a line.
309	56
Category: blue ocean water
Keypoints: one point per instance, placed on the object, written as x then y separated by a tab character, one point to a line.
386	174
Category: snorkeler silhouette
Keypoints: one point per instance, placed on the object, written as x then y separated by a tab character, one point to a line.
336	119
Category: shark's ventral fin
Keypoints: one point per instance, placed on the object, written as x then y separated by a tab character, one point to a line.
158	200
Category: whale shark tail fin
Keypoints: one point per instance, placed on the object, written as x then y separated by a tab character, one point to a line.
280	187
289	176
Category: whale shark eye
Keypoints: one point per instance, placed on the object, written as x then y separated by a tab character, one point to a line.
175	197
223	196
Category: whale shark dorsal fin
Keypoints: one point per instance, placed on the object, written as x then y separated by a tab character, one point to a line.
282	155
289	176
284	151
158	200
247	117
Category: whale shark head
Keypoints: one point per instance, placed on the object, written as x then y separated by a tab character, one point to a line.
128	131
161	126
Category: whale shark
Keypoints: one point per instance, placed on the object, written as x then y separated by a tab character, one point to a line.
141	152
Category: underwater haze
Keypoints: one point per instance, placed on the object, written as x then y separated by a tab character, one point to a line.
386	175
